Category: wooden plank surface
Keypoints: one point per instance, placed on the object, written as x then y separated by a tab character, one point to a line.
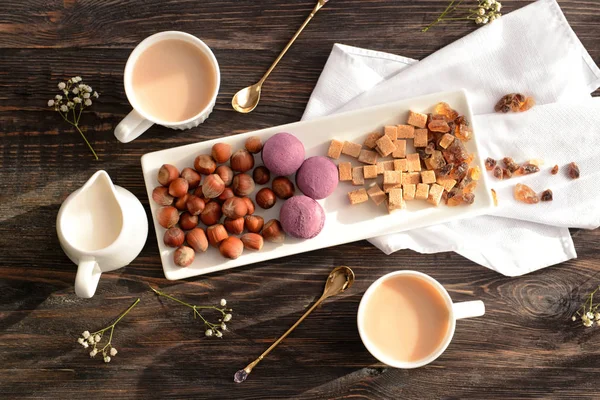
525	347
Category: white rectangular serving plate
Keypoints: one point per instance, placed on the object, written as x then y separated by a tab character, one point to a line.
344	223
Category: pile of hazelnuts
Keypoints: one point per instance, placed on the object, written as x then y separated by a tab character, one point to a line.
213	190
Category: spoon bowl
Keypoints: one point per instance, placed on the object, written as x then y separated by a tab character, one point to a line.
340	279
246	100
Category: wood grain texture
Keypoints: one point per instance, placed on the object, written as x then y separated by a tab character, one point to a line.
526	347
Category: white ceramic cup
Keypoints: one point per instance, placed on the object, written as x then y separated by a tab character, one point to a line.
466	309
138	121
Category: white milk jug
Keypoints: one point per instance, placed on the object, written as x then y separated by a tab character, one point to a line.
101	227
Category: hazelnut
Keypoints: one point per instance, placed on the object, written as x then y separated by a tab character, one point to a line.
216	234
205	164
242	185
265	198
167	174
234	208
225	173
242	161
198	192
174	237
196	238
167	216
231	247
221	152
227	194
261	175
178	187
192	177
254	223
211	213
194	204
183	256
213	186
283	187
253	144
234	226
249	204
272	232
252	241
188	221
161	196
181	203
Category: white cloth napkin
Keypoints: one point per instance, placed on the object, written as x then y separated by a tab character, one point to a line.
532	50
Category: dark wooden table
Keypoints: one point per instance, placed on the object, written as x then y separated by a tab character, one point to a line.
525	347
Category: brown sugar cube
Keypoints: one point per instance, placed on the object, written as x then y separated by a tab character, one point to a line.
351	149
335	149
391	131
446	182
370	171
417	119
392	177
383	166
401	165
420	138
358	176
345	169
435	194
395	200
428	176
385	146
409	190
358	196
446	140
406	132
371	140
413	162
392	180
368	157
411	177
376	194
400	151
422	191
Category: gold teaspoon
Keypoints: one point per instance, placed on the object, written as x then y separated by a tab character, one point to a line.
247	99
340	279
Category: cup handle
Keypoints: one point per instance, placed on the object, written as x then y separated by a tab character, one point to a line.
86	280
468	309
132	126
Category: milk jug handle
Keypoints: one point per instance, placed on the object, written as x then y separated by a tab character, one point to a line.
86	281
132	126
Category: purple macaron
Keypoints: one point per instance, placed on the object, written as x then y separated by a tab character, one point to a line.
283	154
317	177
302	217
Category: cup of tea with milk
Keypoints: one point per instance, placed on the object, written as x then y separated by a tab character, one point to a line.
171	79
406	319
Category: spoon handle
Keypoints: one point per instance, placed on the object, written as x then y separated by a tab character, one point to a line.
253	364
320	4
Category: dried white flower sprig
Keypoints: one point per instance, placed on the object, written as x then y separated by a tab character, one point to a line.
93	339
588	312
74	97
211	329
485	12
